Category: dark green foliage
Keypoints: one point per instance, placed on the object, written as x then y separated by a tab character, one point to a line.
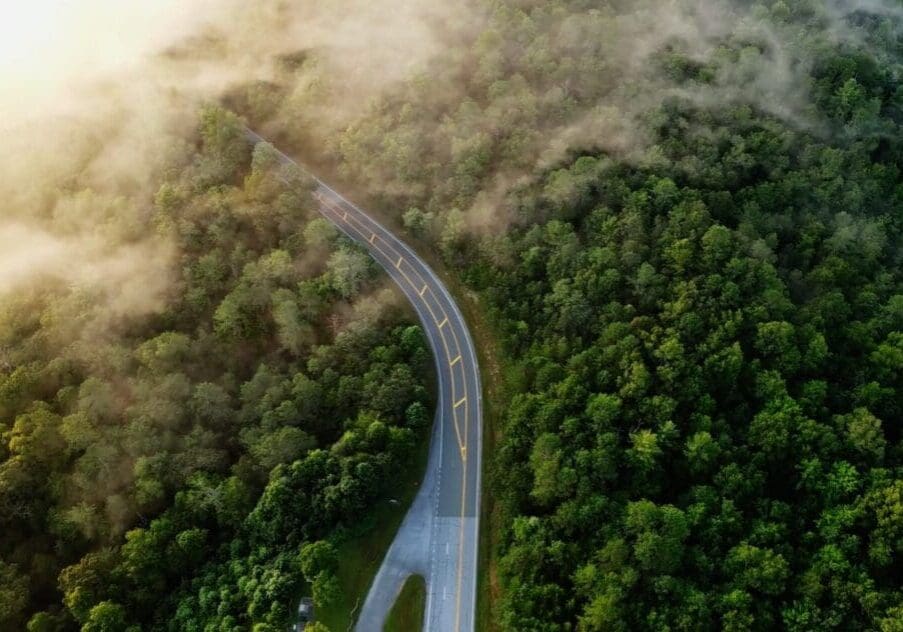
708	436
709	421
167	475
704	320
697	283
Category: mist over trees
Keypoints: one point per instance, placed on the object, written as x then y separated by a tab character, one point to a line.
706	336
683	220
219	440
686	225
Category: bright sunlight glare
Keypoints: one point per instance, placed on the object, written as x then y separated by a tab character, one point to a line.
48	46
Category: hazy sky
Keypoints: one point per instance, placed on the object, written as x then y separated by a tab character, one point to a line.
48	45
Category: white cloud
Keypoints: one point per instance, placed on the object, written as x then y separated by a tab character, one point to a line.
47	47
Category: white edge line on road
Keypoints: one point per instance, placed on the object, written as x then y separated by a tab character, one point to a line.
452	305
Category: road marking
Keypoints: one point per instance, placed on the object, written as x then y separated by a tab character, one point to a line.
446	548
466	419
457	430
422	292
461	548
455	361
438	324
462	447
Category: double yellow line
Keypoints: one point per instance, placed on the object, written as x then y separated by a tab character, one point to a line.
422	289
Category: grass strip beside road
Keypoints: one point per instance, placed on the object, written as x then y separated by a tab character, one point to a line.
407	613
500	379
361	552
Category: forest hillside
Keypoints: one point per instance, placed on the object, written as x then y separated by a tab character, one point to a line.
681	223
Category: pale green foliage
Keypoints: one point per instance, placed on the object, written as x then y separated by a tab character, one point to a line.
348	269
644	449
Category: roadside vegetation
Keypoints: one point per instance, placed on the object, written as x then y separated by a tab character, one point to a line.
361	548
686	232
193	468
407	613
681	224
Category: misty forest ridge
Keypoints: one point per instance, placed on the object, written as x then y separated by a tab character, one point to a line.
673	229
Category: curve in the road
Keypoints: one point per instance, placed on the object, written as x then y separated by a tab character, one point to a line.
439	535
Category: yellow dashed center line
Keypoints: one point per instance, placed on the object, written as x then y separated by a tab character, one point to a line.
462	444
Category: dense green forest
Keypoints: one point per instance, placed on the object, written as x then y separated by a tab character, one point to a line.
708	432
191	469
689	235
684	223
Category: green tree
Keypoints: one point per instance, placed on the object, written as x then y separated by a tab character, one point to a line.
317	557
757	569
13	595
108	616
659	533
865	434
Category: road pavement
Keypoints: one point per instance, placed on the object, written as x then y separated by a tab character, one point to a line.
438	537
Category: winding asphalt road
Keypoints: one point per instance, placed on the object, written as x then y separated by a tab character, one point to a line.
439	536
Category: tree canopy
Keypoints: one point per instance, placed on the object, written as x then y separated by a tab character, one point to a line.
190	468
